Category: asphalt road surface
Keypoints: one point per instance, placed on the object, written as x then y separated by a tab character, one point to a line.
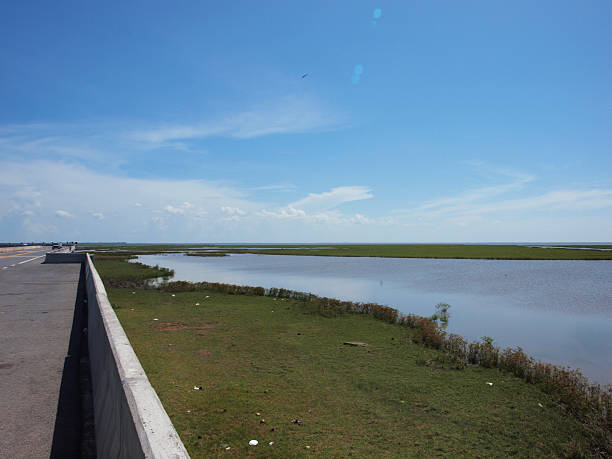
36	312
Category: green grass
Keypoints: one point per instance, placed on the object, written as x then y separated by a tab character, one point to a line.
501	252
116	272
282	359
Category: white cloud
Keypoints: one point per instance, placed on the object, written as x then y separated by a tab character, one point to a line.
283	213
361	219
232	210
174	210
98	215
331	199
63	214
186	208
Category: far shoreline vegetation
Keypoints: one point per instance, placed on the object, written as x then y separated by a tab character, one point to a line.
442	251
181	337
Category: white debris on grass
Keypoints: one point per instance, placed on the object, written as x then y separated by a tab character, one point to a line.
253	443
490	383
197	304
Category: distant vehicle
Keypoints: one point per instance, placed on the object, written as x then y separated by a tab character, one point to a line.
57	246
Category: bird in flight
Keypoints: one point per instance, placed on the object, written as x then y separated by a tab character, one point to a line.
305	75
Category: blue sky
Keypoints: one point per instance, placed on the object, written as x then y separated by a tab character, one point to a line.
417	122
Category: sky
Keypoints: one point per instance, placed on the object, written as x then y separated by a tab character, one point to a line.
344	121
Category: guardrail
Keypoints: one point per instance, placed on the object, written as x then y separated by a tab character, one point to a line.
130	420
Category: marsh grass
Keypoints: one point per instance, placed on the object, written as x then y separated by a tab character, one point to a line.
435	350
460	251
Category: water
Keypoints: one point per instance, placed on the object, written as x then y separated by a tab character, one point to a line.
557	311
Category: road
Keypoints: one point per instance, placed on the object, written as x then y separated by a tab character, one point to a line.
18	256
36	311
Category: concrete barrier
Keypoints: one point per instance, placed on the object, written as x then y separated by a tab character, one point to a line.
130	421
64	257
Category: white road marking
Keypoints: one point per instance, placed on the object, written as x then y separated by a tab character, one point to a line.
12	265
35	258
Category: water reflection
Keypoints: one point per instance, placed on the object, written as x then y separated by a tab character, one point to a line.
557	311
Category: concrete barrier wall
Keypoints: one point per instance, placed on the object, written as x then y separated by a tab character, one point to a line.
130	421
64	257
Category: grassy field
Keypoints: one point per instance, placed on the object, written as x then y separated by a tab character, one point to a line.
501	252
264	364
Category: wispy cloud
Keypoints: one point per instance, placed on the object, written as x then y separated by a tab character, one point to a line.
290	115
333	198
61	140
283	187
500	199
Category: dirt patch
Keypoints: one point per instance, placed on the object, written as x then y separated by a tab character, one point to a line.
171	326
204	353
178	326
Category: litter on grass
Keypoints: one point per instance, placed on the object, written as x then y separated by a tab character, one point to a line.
197	387
271	443
490	383
173	294
155	319
197	304
253	443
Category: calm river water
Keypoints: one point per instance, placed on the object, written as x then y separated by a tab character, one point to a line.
557	311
